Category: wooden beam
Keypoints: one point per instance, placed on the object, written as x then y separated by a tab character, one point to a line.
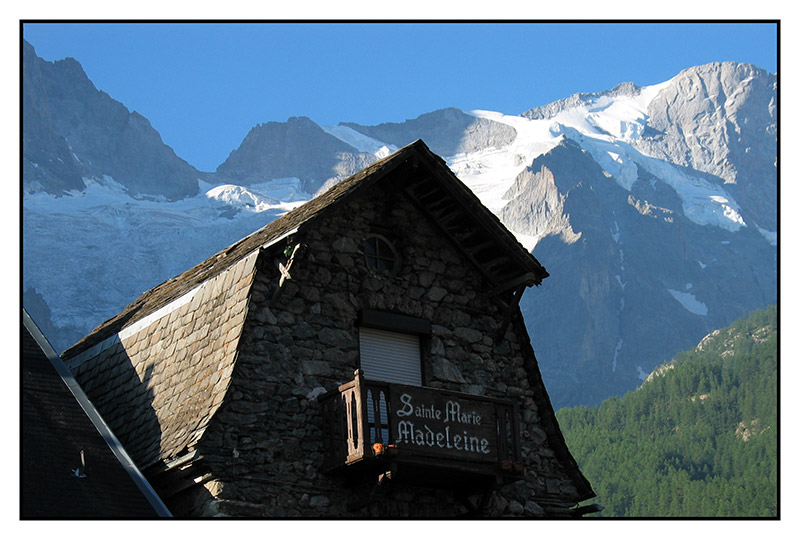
447	233
526	279
510	311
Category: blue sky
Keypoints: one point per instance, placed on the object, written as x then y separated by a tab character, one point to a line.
203	86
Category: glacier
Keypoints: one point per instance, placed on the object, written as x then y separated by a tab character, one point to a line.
132	233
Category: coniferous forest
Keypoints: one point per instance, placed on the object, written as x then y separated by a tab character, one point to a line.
699	438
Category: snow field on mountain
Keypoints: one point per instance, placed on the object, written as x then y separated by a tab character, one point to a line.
689	302
492	171
607	128
281	193
105	197
361	142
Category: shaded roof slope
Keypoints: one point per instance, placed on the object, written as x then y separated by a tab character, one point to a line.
160	380
423	176
55	430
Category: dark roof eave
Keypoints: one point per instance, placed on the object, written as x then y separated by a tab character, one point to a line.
95	418
527	263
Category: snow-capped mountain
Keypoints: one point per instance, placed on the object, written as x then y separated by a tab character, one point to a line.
654	208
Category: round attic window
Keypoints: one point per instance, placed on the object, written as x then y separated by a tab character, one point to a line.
380	254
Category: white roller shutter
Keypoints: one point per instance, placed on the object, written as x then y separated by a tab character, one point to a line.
390	356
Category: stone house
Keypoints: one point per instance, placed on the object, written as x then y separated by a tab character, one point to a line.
362	356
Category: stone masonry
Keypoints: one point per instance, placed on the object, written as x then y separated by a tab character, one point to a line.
265	444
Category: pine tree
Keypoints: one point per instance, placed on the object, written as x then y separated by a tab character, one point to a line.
700	440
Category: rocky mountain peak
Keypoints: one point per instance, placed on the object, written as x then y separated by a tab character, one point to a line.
296	148
536	199
550	110
447	132
721	119
72	131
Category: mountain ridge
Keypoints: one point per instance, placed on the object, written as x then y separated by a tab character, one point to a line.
71	115
645	255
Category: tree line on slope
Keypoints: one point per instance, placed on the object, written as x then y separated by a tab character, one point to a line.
699	439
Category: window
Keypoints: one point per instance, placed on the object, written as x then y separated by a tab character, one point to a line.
390	352
390	356
380	254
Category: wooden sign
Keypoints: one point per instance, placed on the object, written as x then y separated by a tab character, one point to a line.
436	422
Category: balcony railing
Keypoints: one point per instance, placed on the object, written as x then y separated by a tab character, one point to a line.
426	432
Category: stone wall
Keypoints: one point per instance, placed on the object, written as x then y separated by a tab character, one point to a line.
265	444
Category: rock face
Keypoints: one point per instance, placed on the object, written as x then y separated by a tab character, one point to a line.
625	267
537	197
635	277
296	148
721	119
72	131
447	132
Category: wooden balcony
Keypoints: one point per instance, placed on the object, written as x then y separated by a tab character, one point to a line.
420	435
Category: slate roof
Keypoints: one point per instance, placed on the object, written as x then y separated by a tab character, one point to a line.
160	380
56	427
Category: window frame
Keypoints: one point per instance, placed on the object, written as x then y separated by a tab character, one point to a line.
398	324
375	260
